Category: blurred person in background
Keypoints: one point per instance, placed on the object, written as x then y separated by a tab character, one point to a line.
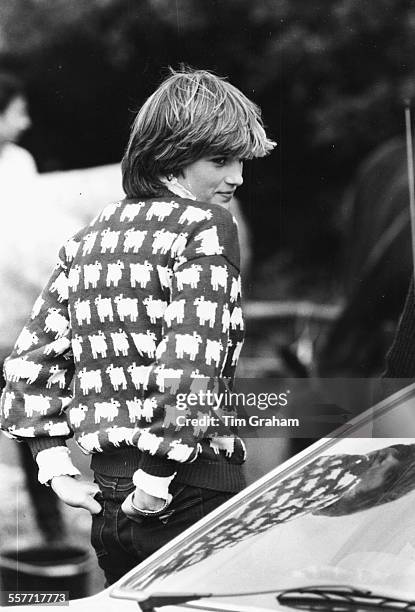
17	166
18	175
144	304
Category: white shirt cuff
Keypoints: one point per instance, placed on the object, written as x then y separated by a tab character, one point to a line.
157	486
55	461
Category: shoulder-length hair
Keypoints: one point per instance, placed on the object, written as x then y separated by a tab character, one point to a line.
192	114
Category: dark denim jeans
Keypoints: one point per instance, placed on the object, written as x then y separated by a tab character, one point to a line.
121	543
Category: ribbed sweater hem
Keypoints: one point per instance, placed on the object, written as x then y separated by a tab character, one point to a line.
220	475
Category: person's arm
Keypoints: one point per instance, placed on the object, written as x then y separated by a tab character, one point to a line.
205	303
39	371
38	377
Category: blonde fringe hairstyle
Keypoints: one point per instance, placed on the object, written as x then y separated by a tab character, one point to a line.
192	114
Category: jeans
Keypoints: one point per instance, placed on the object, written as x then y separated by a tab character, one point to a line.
121	542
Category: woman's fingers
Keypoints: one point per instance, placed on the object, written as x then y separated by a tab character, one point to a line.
76	493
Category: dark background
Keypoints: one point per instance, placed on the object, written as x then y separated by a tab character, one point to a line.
329	76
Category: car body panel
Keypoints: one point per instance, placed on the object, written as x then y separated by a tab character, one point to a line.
322	517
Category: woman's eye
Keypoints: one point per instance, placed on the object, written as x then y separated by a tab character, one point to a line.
219	161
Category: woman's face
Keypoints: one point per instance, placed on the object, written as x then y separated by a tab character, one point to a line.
213	179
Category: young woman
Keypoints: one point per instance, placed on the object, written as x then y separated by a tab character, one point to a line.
144	310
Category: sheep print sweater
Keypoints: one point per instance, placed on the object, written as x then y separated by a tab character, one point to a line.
143	308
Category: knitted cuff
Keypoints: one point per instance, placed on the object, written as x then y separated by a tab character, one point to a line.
55	461
38	444
157	486
157	466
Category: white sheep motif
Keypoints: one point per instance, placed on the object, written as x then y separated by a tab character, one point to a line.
74	277
133	239
117	377
188	344
36	403
140	274
189	276
223	443
57	429
57	377
127	307
205	311
21	367
108	211
165	275
104	309
114	273
92	273
58	346
77	414
149	442
24	432
162	241
120	435
219	277
77	347
90	379
179	451
120	342
106	410
89	442
37	306
139	375
134	409
82	311
155	308
236	289
161	210
9	396
98	345
55	322
179	244
175	311
237	318
89	241
209	242
60	286
168	378
26	340
130	211
71	249
213	351
147	409
161	348
145	343
194	215
109	240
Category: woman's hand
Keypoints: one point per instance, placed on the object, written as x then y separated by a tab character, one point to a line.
76	493
139	503
147	502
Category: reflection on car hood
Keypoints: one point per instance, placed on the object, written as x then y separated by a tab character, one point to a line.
331	516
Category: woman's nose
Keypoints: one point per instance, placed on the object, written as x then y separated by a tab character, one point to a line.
234	175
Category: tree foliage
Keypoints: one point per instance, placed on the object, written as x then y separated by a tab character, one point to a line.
329	76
